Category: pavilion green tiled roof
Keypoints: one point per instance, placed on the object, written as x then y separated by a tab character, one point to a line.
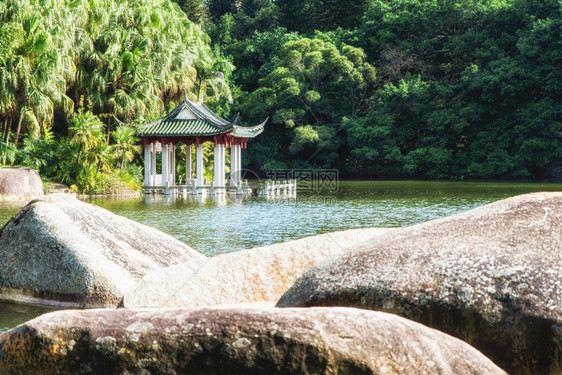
203	111
180	122
248	132
179	127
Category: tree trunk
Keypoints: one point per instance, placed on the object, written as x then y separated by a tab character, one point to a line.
97	170
108	130
77	164
7	133
200	90
3	135
18	131
5	126
5	154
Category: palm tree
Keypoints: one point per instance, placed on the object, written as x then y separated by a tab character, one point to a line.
9	153
86	131
211	75
37	153
126	144
100	156
34	73
125	58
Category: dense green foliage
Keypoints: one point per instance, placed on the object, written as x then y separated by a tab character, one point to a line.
194	9
472	89
311	85
309	15
375	88
83	66
463	89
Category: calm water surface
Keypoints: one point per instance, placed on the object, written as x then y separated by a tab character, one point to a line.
214	226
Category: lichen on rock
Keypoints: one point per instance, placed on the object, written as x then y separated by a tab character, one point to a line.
20	182
491	276
235	340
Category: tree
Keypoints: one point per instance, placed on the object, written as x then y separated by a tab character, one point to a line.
311	87
255	16
38	153
410	132
194	9
306	16
125	58
212	77
218	8
33	70
126	144
255	57
86	132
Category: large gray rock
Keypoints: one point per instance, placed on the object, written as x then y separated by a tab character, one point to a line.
257	275
61	249
234	341
491	277
20	182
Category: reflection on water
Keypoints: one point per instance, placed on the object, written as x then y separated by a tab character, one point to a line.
230	223
213	226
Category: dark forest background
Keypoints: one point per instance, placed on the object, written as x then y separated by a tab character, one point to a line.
375	88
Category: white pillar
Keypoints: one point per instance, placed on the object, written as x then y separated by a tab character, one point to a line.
147	164
219	165
153	165
216	168
187	164
239	167
172	149
175	163
232	164
235	165
165	166
199	165
223	166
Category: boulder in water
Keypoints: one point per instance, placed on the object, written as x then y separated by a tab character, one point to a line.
234	341
491	276
62	250
261	274
20	182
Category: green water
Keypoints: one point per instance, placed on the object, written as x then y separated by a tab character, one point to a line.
214	226
12	314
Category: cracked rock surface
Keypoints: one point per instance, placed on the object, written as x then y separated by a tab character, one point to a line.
235	340
491	276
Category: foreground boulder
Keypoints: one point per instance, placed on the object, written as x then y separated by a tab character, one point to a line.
20	182
234	341
491	276
257	275
61	249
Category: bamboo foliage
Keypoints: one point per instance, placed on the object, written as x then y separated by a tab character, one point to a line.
79	64
126	58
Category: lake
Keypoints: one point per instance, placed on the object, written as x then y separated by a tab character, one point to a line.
215	226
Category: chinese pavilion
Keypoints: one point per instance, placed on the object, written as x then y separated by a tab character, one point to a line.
193	123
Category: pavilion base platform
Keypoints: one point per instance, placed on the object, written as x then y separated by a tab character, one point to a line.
269	189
